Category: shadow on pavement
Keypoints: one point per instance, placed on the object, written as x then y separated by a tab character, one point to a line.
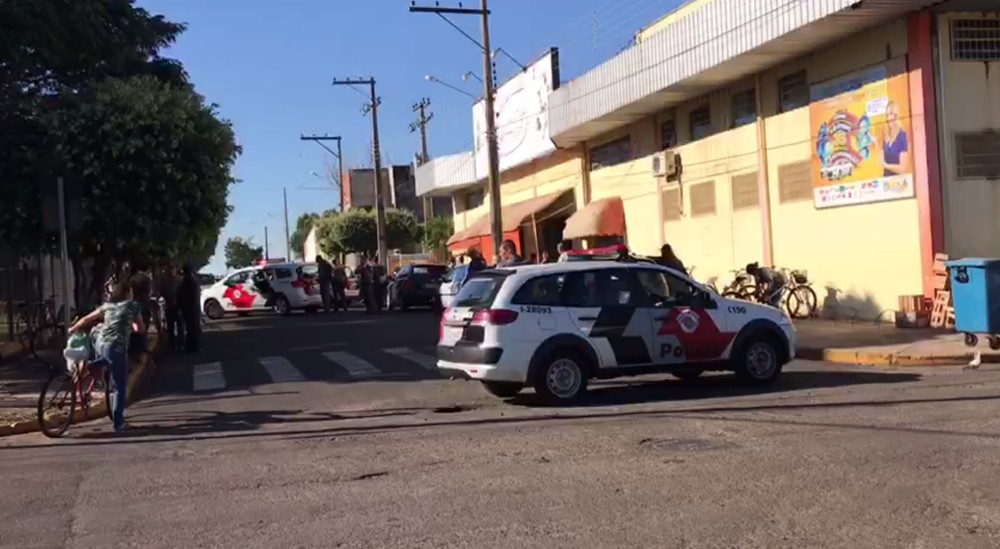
617	393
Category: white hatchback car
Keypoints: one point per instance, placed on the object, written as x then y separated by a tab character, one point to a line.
556	326
294	285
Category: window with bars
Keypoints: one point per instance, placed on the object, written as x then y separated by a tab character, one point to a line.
615	152
975	39
793	91
744	108
795	182
701	123
744	191
668	134
703	199
474	199
671	200
977	155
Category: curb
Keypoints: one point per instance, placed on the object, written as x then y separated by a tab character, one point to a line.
138	381
862	358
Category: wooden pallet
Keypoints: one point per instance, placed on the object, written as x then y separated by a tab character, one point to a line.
939	312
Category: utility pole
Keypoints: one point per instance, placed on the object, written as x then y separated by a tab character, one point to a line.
496	219
319	139
288	238
372	108
266	254
421	125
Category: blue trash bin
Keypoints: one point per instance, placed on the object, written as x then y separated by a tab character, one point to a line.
975	294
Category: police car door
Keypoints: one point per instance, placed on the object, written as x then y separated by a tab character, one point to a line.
607	307
687	325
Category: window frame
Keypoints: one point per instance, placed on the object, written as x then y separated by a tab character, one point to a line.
518	299
739	101
789	101
622	144
983	23
670	124
637	293
700	298
709	128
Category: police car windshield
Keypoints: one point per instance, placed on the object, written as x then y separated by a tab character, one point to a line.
480	291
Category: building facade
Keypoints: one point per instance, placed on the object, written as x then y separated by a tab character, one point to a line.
850	139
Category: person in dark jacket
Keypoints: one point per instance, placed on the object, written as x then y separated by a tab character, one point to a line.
339	286
670	260
189	307
324	275
508	254
366	282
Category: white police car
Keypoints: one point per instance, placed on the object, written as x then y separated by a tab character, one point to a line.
555	326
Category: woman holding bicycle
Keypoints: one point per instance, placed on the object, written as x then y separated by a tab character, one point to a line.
117	319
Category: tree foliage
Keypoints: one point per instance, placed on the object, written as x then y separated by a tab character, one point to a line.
436	232
303	225
354	231
240	252
85	95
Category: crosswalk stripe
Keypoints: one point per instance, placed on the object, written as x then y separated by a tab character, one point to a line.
280	369
407	353
356	366
208	377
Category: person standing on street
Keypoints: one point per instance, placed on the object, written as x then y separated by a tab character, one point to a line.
325	275
167	289
508	254
339	286
670	260
365	281
380	284
189	307
119	318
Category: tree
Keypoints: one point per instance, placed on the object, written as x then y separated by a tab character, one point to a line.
436	232
154	162
303	225
240	252
354	231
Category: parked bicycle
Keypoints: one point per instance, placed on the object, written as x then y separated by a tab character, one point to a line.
801	301
65	389
49	335
743	286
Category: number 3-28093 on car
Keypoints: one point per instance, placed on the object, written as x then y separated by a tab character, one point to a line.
555	327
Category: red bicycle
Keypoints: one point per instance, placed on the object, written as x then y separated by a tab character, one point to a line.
61	393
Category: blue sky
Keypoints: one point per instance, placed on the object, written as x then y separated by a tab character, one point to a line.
269	67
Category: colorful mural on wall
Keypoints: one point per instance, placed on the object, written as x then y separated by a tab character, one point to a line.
862	135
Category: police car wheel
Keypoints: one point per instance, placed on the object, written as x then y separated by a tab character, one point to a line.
282	306
214	310
502	389
562	379
758	361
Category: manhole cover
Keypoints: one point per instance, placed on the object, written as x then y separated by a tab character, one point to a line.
684	444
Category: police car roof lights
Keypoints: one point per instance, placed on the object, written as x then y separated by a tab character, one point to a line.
618	252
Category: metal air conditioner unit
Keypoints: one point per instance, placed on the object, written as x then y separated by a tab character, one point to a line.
665	164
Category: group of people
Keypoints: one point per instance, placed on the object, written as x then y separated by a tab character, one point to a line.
373	283
120	324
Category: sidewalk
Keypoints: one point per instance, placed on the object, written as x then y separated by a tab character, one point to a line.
867	344
22	378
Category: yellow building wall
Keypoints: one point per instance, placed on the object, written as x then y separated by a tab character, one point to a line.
972	226
670	19
862	256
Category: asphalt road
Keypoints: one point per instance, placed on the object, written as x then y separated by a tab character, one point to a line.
330	431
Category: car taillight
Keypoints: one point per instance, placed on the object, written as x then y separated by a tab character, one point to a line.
495	317
444	315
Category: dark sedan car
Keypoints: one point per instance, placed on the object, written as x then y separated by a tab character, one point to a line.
415	285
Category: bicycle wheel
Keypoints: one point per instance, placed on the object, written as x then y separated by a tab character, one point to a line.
808	296
794	306
57	404
109	389
49	337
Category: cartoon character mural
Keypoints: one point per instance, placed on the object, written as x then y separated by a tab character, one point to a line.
838	147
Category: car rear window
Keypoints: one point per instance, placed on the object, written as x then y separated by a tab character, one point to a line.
308	270
480	290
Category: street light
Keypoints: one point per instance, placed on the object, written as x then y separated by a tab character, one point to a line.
436	80
470	74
